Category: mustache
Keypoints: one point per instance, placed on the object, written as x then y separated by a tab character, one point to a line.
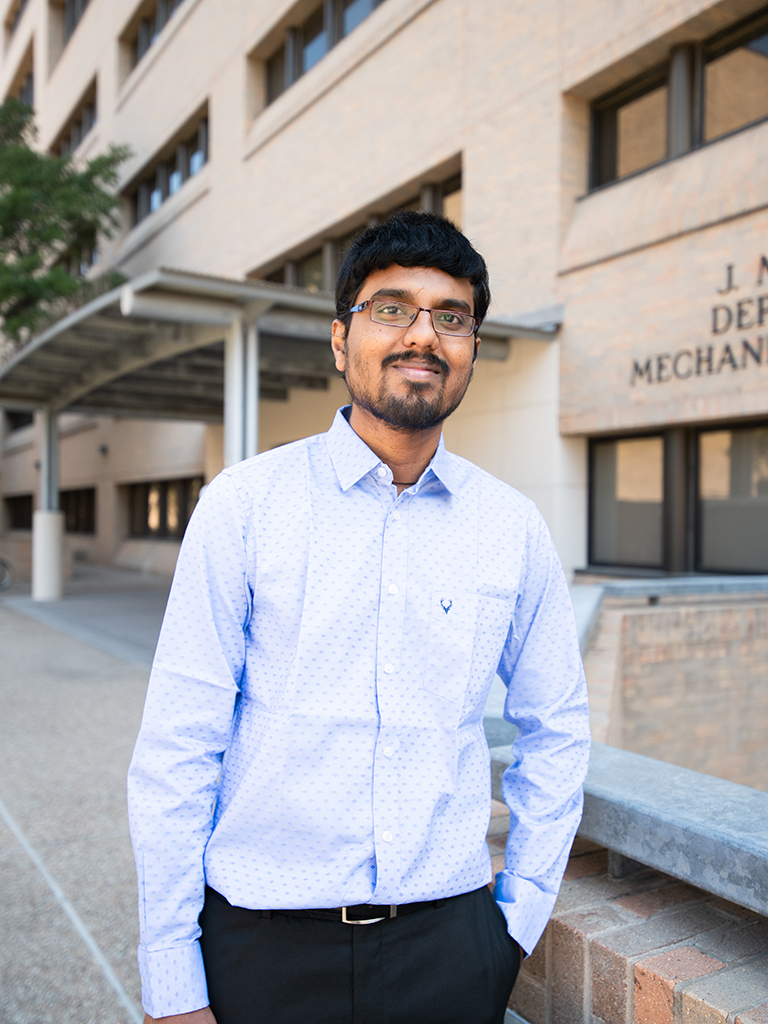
411	355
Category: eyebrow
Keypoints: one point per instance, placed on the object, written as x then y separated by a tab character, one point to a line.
406	296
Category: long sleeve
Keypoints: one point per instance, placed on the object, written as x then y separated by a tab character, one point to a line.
547	701
172	781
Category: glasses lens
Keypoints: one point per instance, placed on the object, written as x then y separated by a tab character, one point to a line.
448	321
389	311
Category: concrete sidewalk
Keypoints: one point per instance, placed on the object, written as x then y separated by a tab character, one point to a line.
69	715
114	610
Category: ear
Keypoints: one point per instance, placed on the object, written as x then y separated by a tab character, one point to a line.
339	345
477	346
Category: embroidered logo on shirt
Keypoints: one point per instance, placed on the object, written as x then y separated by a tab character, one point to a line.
446	607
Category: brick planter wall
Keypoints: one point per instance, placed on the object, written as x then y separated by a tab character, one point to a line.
643	949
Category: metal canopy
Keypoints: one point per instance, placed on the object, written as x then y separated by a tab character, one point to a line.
155	347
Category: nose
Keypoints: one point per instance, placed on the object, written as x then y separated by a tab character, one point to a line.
421	333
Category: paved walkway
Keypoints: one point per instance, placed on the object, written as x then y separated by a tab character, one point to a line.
68	719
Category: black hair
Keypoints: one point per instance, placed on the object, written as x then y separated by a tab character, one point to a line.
411	239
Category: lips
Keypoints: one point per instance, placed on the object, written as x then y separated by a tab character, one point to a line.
417	367
417	371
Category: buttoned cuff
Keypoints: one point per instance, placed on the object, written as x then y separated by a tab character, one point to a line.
526	908
172	980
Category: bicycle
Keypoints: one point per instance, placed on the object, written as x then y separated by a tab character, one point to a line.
6	574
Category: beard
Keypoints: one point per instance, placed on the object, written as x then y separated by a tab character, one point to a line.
421	407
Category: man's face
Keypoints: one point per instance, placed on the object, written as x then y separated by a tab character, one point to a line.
410	378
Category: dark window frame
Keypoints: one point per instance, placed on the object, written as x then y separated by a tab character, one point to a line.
79	123
182	158
138	507
19	510
593	442
682	519
698	501
442	189
718	45
73	14
18	419
15	15
145	25
286	60
604	118
79	508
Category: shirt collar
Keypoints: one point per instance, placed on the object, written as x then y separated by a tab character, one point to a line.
353	459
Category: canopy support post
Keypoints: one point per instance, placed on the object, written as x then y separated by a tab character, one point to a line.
252	391
234	395
48	521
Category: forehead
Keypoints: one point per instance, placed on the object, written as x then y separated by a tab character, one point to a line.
424	286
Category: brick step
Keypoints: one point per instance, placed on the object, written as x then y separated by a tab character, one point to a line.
644	949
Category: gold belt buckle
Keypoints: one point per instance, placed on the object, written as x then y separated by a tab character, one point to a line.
370	920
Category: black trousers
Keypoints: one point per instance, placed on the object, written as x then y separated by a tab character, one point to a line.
452	964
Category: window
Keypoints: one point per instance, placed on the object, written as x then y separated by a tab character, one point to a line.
79	124
736	78
146	25
165	175
73	12
27	91
353	12
733	500
705	91
18	511
307	43
79	508
312	270
162	508
314	41
15	12
627	502
630	129
451	200
17	420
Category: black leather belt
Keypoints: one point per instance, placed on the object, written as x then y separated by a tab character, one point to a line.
363	913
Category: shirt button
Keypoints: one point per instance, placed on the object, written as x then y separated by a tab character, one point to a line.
387	836
389	668
393	588
395	514
381	471
388	751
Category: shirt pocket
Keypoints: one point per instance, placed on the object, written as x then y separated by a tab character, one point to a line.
452	628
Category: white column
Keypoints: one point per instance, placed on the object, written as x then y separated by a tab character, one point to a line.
48	521
251	390
234	395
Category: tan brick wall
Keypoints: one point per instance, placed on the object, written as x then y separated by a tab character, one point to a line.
695	689
684	683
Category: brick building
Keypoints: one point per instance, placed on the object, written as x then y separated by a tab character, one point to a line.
605	158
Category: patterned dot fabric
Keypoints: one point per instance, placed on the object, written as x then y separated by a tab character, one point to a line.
313	731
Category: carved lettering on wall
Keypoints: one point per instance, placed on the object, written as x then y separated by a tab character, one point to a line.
731	354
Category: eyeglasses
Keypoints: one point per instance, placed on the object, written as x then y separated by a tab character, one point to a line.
394	313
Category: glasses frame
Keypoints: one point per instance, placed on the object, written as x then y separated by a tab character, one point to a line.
419	309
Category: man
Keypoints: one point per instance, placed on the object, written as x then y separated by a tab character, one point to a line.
311	780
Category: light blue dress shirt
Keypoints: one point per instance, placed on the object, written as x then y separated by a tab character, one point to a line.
313	733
